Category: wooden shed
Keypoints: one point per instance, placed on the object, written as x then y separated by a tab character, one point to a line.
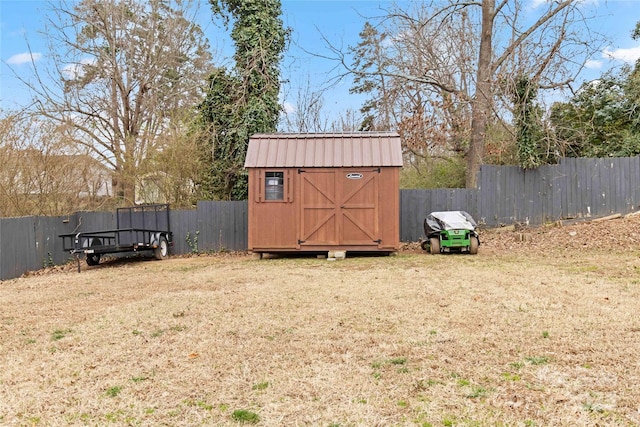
317	192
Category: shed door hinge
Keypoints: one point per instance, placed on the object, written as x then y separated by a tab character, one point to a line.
301	171
378	241
301	241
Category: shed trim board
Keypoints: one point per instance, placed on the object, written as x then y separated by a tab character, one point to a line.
323	192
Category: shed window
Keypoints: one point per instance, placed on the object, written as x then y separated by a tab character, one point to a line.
274	186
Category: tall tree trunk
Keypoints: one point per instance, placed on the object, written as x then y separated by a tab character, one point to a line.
483	97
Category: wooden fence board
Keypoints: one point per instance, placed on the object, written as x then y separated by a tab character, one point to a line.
505	194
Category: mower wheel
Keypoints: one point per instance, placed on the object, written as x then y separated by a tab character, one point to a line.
473	245
424	245
434	243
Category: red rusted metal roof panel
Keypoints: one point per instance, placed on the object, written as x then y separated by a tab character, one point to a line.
357	149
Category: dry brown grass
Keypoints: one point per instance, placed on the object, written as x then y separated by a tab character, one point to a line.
508	337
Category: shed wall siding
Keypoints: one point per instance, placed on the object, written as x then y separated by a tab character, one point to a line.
328	211
271	223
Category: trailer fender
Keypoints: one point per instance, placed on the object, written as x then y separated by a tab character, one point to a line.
155	239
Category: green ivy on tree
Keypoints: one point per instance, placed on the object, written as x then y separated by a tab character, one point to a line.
528	121
243	101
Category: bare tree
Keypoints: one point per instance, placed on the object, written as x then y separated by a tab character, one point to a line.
122	70
172	173
449	65
42	173
305	114
348	120
10	203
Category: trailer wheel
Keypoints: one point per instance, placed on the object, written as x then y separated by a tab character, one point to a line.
162	251
473	245
94	259
434	243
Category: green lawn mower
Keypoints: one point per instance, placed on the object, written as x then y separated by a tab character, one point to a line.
450	231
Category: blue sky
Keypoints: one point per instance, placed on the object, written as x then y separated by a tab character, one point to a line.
339	21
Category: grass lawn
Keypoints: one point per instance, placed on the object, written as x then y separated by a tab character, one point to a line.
507	337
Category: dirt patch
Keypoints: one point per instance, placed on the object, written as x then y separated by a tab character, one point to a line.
540	328
616	233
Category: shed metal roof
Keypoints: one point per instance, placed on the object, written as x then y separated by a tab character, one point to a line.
356	149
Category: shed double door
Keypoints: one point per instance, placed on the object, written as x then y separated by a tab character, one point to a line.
339	207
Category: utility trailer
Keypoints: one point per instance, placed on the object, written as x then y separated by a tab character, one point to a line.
138	228
450	231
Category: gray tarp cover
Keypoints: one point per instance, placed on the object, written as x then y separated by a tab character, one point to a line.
450	220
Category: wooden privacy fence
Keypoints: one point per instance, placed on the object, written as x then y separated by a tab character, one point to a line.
571	189
31	243
576	187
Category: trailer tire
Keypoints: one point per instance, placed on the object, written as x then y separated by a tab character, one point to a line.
162	251
434	244
473	245
94	259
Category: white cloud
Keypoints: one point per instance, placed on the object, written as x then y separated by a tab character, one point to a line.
288	108
593	64
24	58
73	71
629	55
535	4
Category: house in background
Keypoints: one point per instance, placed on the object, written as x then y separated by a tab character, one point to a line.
32	171
33	182
148	188
321	192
